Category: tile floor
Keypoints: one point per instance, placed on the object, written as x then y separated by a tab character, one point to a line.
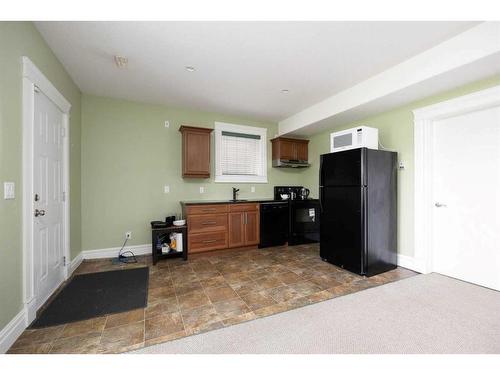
207	292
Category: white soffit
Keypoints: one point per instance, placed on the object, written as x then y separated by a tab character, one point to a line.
473	54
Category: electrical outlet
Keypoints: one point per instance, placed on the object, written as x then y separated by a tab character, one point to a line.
128	235
202	189
9	190
167	124
401	165
166	189
252	189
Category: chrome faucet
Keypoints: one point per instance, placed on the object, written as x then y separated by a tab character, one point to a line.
234	193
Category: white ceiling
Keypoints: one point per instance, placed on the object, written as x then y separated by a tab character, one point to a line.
241	67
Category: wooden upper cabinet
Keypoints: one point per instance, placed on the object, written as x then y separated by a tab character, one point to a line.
195	151
287	149
290	149
302	150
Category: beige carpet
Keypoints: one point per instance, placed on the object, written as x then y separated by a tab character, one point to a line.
422	314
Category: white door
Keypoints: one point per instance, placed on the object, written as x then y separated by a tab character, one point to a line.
466	192
48	262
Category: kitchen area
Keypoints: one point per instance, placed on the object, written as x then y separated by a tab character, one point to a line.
353	221
290	217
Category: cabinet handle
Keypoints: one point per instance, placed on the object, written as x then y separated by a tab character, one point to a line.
246	219
209	223
209	241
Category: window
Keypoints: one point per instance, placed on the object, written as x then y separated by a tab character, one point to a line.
240	153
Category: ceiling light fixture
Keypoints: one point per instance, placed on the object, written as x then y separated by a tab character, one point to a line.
190	68
120	61
285	91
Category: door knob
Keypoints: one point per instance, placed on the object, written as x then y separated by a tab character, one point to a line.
39	212
437	204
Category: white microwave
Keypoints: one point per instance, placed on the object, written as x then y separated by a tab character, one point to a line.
362	136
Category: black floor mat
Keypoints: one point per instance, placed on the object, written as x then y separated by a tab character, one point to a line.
96	294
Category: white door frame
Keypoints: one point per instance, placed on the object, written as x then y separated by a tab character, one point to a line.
424	119
33	79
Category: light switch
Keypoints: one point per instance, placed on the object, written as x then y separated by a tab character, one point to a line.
202	189
167	124
252	189
9	190
166	189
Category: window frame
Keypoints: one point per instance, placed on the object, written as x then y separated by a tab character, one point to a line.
234	128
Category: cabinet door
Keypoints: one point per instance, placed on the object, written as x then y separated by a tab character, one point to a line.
288	150
236	229
302	151
252	228
197	154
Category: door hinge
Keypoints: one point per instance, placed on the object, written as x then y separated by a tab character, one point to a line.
64	261
36	88
63	131
64	196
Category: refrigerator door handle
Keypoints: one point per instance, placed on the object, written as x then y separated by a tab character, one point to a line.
321	199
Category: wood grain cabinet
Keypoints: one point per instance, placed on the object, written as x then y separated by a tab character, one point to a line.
290	149
207	227
222	226
195	151
244	229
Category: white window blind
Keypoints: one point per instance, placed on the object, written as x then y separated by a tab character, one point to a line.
240	153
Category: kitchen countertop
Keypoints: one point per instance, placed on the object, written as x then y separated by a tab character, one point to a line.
228	201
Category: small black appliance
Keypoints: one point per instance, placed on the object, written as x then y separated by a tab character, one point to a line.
169	220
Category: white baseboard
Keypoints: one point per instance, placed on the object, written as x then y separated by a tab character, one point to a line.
13	329
112	252
75	263
409	262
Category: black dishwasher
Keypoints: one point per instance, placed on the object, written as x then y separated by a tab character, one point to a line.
273	224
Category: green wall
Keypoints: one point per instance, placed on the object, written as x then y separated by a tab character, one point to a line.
128	156
395	132
19	39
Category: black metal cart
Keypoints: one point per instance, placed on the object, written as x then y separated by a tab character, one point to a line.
161	232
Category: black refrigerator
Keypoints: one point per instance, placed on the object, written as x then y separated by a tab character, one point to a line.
358	205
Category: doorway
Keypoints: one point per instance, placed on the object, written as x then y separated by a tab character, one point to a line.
459	161
45	188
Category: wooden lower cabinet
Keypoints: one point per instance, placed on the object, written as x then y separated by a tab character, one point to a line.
207	241
214	227
252	228
236	229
